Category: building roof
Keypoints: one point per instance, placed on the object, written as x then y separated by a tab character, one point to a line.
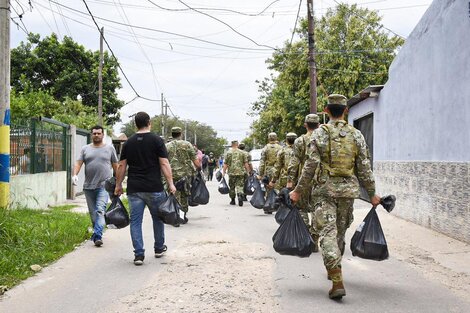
369	92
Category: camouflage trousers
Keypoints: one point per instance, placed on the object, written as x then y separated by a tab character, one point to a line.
181	196
235	183
305	208
332	217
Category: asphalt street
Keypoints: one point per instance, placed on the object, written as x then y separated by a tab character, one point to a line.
94	279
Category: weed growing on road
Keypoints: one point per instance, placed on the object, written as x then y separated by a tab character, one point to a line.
29	237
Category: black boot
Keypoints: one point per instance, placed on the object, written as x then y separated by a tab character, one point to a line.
233	201
240	199
245	198
185	219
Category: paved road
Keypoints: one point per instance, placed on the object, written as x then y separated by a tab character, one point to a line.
223	261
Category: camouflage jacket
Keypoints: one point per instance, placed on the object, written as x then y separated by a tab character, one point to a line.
268	159
236	160
280	167
299	155
181	155
248	158
316	172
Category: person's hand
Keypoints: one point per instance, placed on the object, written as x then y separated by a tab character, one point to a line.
75	180
118	190
375	200
294	196
172	188
271	184
258	177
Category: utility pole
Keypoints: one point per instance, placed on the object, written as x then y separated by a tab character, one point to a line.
166	111
4	103
312	69
100	81
163	118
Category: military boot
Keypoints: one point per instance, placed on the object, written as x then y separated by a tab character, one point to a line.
315	243
233	201
240	199
337	291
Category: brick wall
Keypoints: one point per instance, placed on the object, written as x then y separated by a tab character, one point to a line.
432	194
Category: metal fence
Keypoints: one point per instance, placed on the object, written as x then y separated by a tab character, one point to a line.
38	146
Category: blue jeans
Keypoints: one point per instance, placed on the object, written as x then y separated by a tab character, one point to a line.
137	202
96	200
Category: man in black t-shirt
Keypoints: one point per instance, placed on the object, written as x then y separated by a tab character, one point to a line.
146	156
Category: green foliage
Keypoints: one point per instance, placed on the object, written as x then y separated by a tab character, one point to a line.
29	237
66	70
352	52
205	136
28	103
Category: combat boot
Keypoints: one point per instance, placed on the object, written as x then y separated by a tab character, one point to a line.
337	291
233	201
315	243
240	199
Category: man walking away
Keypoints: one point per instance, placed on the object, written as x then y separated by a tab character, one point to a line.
183	159
241	146
211	165
236	163
267	161
339	155
146	156
280	167
99	159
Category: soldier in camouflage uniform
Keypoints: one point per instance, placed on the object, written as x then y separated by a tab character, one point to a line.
338	160
296	164
268	159
241	146
183	161
283	158
236	162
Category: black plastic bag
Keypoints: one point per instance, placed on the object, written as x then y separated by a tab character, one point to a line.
250	185
292	237
116	214
257	200
223	187
218	175
368	242
169	211
270	204
388	202
199	192
285	205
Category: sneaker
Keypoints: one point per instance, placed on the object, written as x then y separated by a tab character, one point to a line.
139	260
160	252
98	242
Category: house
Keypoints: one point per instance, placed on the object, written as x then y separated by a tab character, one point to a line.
416	124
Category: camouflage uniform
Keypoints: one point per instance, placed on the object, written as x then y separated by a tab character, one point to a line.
235	159
283	159
335	171
269	156
181	155
294	169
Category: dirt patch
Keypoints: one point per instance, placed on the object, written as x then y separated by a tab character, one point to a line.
208	276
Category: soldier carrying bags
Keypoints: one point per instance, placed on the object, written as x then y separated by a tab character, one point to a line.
267	161
236	163
338	160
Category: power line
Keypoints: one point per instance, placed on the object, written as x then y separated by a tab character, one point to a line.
295	24
118	64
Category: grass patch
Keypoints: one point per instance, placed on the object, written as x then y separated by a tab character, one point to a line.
40	237
66	207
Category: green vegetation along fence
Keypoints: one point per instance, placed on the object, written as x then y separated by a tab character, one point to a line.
38	146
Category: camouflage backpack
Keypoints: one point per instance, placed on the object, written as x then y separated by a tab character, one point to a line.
236	166
341	149
271	153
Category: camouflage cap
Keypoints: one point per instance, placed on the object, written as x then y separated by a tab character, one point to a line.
176	129
272	136
312	118
291	135
241	145
337	99
234	142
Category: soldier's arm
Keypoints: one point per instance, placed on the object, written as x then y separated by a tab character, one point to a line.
294	163
261	162
278	166
308	172
363	166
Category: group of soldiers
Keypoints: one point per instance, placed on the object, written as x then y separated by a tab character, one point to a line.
323	168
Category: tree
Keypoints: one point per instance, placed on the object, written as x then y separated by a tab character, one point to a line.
352	52
204	136
66	71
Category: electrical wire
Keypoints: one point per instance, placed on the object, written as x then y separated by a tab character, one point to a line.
295	24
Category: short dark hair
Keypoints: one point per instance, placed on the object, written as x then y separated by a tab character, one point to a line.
142	120
312	125
97	127
336	110
175	134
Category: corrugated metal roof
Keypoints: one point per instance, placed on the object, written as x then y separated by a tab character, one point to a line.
364	94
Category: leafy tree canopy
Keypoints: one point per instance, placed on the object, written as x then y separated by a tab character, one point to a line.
352	52
66	71
204	136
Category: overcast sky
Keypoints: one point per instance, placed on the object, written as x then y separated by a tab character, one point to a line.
205	70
